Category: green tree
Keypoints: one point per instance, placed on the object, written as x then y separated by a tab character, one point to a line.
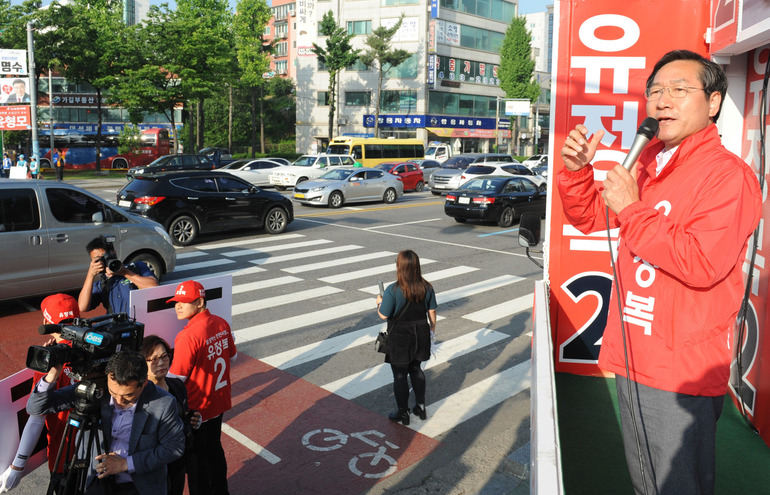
380	51
250	20
337	55
129	140
517	65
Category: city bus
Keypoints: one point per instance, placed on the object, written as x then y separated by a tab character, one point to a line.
79	148
371	151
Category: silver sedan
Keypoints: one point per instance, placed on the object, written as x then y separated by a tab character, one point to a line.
349	185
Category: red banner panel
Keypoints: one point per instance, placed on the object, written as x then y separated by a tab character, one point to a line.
15	118
606	50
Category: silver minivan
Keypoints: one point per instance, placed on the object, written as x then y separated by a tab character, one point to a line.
44	229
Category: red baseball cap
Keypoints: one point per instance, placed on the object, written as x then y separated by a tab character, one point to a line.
188	292
59	307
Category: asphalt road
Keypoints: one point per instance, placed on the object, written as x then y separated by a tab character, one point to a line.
304	317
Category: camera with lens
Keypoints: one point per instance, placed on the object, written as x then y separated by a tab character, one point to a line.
111	262
93	342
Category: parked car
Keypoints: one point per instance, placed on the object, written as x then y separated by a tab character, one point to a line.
409	173
220	156
541	170
173	162
256	171
283	161
535	160
191	203
427	167
495	168
439	181
350	185
496	198
308	167
44	229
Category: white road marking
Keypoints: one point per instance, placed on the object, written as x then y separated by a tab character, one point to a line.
264	284
281	300
430	277
247	242
271	249
368	272
337	262
498	311
250	444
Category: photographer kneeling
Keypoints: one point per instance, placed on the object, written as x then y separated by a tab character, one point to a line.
133	462
108	281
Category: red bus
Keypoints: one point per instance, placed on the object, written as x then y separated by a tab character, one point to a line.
79	148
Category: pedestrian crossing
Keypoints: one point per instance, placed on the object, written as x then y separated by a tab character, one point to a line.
291	284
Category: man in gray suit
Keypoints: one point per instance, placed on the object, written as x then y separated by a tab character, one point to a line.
140	431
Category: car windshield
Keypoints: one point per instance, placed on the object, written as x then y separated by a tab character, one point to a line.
235	165
384	166
160	161
479	169
485	185
304	161
460	163
337	175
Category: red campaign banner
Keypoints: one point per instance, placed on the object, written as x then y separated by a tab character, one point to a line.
751	381
15	117
606	50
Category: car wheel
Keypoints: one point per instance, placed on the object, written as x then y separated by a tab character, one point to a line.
183	230
276	220
506	217
152	261
300	181
390	195
280	188
461	220
336	199
420	186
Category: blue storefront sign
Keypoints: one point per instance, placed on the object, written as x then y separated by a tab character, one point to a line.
431	121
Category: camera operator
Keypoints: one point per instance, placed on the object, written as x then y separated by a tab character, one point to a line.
109	285
57	309
133	462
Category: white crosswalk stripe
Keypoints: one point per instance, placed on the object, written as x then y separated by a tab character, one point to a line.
288	285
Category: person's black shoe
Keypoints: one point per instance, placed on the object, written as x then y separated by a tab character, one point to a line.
420	411
400	416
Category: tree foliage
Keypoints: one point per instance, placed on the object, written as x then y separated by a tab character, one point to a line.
337	54
516	62
381	51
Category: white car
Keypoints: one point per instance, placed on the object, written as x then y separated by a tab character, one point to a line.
495	168
535	160
255	171
307	167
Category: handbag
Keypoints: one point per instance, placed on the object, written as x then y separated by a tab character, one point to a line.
381	343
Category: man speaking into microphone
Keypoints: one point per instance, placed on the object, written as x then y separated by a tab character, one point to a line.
685	211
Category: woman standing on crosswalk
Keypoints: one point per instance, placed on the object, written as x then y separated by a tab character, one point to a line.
404	304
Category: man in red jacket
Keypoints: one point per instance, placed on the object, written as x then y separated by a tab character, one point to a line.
685	213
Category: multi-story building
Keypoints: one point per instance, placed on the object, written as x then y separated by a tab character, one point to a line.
540	26
281	30
448	90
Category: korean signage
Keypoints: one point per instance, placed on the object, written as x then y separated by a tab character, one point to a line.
15	117
408	30
396	121
431	121
432	70
448	33
461	70
605	53
13	62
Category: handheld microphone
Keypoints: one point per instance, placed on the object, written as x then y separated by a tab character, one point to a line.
643	135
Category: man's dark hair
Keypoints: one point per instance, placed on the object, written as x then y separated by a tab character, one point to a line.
711	76
19	81
100	242
126	367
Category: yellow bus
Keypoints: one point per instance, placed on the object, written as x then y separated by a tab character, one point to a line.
371	151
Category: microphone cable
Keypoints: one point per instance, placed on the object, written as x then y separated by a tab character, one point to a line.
616	280
743	312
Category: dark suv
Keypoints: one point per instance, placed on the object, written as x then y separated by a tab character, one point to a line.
439	181
191	203
173	162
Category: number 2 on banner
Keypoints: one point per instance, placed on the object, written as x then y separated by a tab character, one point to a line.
583	346
221	382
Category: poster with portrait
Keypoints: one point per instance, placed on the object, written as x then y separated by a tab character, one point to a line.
14	90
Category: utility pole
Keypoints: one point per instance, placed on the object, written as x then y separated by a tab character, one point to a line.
32	90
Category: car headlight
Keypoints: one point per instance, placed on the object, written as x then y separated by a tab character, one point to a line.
163	234
317	189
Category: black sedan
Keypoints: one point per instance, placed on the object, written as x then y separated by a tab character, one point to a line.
172	162
191	203
496	198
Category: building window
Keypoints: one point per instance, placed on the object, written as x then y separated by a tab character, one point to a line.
282	11
498	10
357	66
281	49
281	30
407	69
358	98
359	27
322	98
398	101
281	66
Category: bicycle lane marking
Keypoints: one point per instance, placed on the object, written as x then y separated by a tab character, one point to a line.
324	443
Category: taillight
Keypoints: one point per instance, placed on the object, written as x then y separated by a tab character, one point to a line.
149	200
484	201
451	197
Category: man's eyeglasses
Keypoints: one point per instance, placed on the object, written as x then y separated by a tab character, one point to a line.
156	360
656	92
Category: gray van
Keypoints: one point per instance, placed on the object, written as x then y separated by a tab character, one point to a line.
44	229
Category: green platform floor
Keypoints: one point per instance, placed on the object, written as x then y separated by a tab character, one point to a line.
592	453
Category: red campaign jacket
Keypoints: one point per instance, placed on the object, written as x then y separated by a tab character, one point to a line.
680	257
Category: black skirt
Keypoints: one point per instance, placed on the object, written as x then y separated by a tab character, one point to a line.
408	341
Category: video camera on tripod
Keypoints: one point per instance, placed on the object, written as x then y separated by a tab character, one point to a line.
93	342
